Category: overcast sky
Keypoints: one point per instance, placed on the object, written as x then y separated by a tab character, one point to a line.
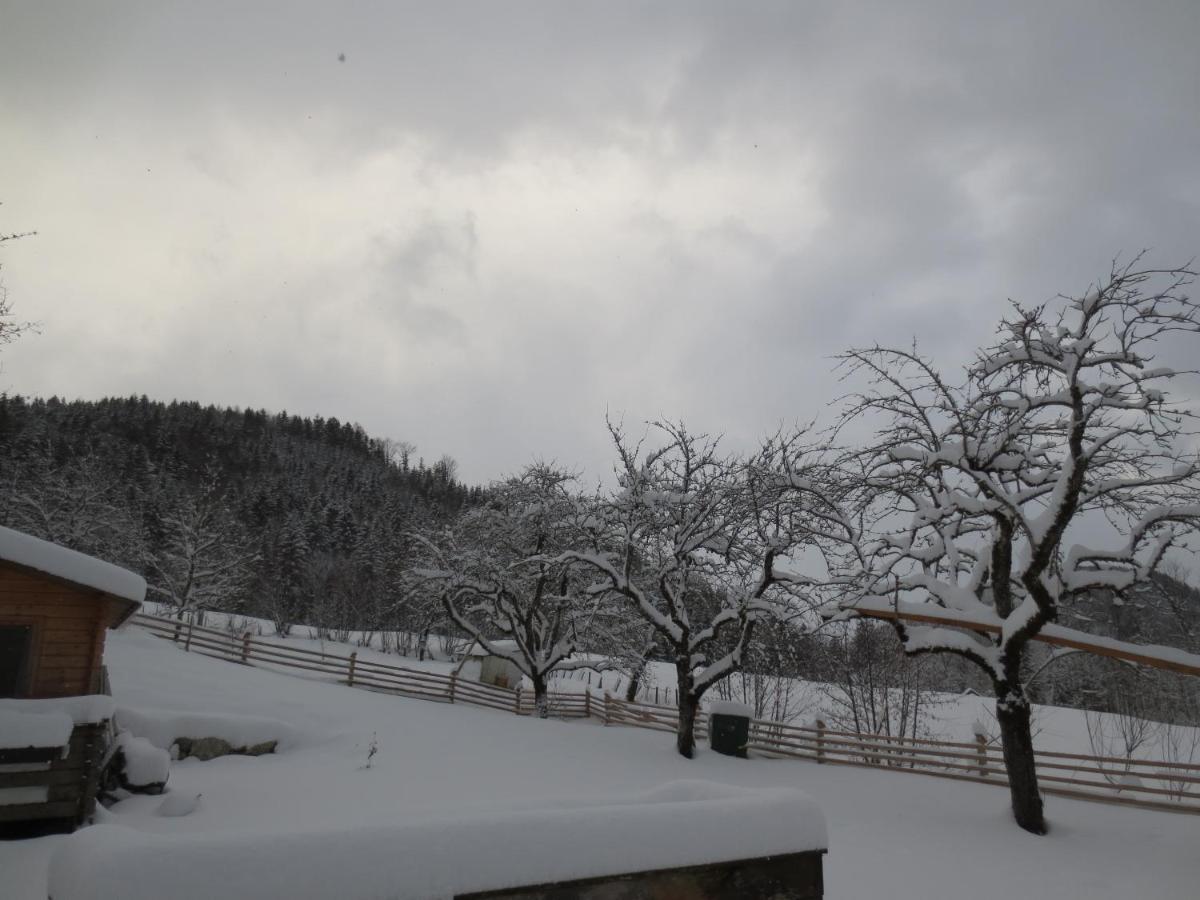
494	222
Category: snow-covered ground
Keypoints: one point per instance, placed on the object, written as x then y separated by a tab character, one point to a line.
951	717
890	834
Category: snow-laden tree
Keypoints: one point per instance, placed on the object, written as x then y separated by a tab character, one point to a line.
1056	467
497	573
204	561
691	540
78	504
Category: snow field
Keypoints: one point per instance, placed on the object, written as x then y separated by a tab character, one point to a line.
952	717
890	834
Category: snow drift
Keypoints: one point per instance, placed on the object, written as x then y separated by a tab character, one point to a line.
440	858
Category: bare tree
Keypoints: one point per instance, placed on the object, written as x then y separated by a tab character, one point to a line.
78	504
977	488
690	540
204	562
771	679
871	688
10	327
498	577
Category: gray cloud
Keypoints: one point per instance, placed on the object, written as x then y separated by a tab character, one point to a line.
492	223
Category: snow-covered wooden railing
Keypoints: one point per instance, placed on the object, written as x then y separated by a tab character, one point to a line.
1153	784
1169	658
354	671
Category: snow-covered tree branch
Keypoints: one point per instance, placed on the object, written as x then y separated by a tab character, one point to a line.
497	574
981	491
693	541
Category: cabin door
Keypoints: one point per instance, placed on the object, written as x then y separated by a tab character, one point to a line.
15	644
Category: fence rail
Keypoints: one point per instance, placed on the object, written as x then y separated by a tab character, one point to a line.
1151	784
349	669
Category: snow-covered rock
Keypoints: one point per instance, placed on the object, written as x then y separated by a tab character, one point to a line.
144	767
163	728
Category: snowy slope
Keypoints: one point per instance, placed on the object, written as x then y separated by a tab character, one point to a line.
952	717
890	834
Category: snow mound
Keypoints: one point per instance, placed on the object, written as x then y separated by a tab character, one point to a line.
178	804
441	858
162	727
145	764
78	568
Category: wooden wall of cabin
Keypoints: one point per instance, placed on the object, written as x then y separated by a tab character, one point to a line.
68	632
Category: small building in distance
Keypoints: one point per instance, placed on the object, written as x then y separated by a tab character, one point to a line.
479	665
56	723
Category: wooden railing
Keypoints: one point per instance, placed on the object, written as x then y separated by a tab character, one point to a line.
1153	784
350	669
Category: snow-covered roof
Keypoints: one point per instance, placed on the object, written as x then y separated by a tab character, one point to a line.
477	649
69	565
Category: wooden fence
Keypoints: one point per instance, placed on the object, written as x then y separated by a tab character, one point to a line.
349	669
1152	784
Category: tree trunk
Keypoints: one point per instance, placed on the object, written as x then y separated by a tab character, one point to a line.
541	697
635	682
1012	713
685	737
423	644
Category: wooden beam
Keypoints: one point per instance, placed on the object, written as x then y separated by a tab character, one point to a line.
1057	640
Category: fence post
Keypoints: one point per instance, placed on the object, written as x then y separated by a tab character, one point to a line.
246	648
820	740
350	670
517	702
453	684
981	740
587	704
606	712
187	645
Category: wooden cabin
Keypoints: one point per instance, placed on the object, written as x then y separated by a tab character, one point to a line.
56	605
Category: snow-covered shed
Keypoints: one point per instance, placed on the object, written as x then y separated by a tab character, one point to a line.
55	607
56	726
478	664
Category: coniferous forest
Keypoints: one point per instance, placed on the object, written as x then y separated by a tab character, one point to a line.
290	518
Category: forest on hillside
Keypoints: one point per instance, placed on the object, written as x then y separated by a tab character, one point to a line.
286	517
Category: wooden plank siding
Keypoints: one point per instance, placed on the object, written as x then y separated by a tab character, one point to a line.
69	624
